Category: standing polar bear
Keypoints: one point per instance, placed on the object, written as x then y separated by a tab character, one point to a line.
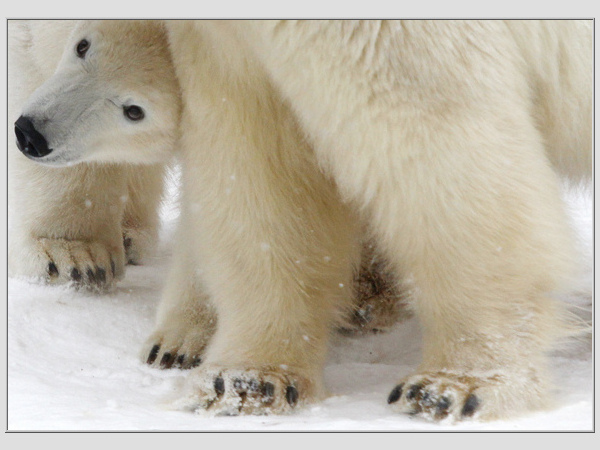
446	138
442	136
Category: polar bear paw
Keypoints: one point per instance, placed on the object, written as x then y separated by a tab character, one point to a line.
85	264
176	348
180	340
440	396
232	392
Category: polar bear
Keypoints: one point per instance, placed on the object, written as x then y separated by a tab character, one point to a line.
83	223
67	225
447	138
444	139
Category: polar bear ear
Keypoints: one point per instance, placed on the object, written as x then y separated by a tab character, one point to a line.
82	47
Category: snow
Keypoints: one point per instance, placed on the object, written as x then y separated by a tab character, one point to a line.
74	363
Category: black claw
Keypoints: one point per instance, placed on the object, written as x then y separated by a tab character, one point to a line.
113	267
291	395
268	390
413	391
167	360
180	360
101	275
443	404
395	394
471	404
52	269
219	386
75	274
91	275
153	354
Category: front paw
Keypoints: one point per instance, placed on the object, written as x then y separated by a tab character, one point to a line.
246	391
182	337
177	348
86	264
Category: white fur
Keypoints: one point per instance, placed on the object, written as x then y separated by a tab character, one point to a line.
441	134
446	138
76	217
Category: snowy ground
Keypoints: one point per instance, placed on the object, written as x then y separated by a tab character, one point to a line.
73	365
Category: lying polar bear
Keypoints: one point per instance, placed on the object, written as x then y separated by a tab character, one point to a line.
447	138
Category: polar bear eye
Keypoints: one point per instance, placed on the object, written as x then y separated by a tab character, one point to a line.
133	112
82	48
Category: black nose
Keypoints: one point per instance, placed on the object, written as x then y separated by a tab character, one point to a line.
29	140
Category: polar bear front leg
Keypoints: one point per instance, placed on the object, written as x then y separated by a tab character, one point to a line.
277	261
487	246
271	241
186	320
65	223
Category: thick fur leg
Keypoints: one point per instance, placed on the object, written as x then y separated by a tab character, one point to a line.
186	320
70	230
275	257
485	304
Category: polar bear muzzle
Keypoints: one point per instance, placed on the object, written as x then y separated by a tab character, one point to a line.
30	141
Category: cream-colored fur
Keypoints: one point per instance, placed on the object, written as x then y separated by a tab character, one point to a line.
441	134
261	227
69	223
446	138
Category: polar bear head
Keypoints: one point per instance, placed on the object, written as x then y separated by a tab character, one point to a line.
113	98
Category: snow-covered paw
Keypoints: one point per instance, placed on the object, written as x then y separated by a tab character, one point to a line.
440	395
86	264
233	392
